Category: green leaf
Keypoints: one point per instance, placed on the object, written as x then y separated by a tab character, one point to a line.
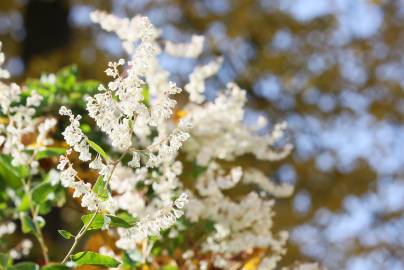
27	224
8	173
5	261
41	192
65	234
98	149
25	203
93	258
197	170
169	267
98	221
25	266
146	95
127	217
50	152
100	188
55	266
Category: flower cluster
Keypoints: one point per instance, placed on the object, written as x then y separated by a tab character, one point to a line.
152	225
121	111
21	123
208	132
150	144
239	225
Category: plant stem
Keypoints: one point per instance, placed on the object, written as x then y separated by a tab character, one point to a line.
38	234
44	248
78	236
85	227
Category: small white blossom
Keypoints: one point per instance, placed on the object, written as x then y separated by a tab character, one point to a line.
68	176
107	221
192	49
196	85
34	100
135	162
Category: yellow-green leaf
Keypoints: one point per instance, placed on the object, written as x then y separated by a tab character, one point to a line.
93	258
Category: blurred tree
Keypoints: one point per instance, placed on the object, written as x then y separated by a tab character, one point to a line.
46	26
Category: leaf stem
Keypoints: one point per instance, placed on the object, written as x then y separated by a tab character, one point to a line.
84	228
34	213
78	236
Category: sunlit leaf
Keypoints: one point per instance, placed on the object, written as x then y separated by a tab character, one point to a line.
128	218
98	221
25	203
98	149
100	188
93	258
65	234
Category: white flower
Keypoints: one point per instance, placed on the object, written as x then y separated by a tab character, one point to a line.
90	201
43	130
196	85
63	161
97	164
107	221
135	162
7	228
68	176
34	100
81	188
181	201
192	49
74	136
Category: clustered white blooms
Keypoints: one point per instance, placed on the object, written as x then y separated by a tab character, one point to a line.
21	122
196	85
7	228
210	131
220	132
135	110
152	224
239	225
20	250
192	49
120	110
298	266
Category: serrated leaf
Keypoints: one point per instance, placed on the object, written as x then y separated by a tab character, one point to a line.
98	149
24	266
65	234
98	221
93	258
50	152
100	188
55	266
41	192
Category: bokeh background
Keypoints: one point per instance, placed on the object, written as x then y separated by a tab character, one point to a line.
333	69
